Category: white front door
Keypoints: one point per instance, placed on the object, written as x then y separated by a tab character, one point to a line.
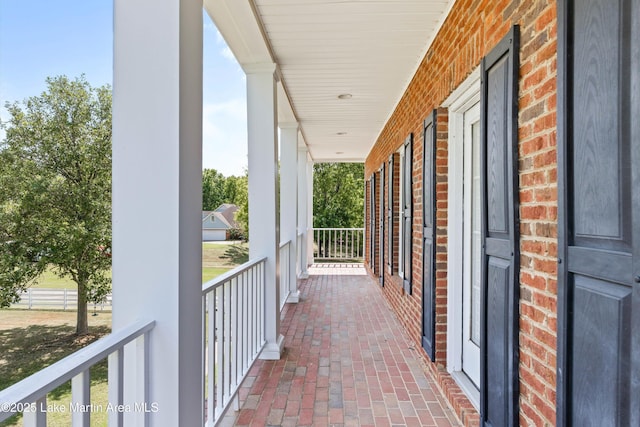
471	246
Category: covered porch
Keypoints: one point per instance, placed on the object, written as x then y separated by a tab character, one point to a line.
346	361
180	352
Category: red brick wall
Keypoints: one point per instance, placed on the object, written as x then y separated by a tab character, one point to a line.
442	154
470	31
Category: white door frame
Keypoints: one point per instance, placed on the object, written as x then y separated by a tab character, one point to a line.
471	260
464	97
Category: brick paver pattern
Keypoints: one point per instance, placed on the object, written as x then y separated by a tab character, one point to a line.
347	362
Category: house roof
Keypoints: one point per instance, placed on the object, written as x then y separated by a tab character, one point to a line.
367	50
228	211
222	218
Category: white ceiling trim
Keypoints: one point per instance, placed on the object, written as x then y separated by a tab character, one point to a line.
323	48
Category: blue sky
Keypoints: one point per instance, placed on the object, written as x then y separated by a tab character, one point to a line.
41	38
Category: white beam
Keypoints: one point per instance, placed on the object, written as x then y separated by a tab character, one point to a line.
289	200
157	196
303	202
264	223
309	168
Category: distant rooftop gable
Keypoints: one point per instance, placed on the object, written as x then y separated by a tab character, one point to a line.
228	211
221	218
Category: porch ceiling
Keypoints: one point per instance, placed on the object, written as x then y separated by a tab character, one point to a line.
369	49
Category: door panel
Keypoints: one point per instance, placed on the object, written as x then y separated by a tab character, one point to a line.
428	236
597	162
499	272
598	224
603	312
500	250
497	208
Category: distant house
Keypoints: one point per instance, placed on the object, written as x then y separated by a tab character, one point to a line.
217	224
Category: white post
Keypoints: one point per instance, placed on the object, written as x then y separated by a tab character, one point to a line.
264	233
309	201
303	189
289	200
157	198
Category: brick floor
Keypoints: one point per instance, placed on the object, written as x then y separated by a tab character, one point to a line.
347	362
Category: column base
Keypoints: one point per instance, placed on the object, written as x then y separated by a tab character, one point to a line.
294	297
273	350
303	275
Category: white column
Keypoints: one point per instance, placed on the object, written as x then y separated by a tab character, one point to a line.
303	202
289	200
157	198
310	259
264	233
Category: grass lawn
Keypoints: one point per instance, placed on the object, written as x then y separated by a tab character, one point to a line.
224	254
31	340
49	279
217	258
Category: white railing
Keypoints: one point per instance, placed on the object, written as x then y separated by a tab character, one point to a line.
344	244
233	316
57	299
29	396
285	272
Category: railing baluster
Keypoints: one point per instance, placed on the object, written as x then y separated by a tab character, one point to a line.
261	291
234	334
245	320
227	342
252	291
116	386
36	416
81	399
219	353
354	234
211	358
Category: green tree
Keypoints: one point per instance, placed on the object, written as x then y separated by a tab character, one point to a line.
232	189
55	203
242	201
338	195
213	189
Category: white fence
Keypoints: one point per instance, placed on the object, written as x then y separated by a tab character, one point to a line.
234	329
344	244
56	299
125	349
